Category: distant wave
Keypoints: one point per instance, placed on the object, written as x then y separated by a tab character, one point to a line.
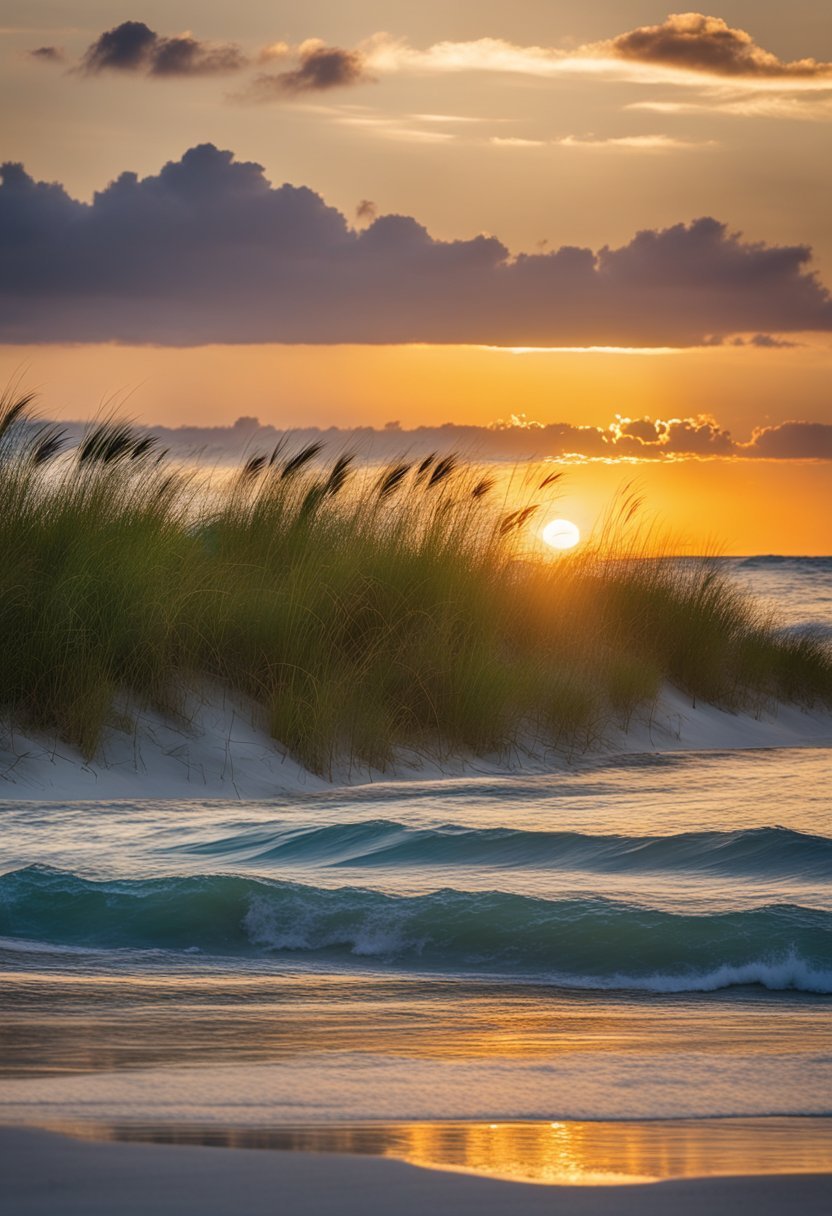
763	560
819	629
591	943
761	852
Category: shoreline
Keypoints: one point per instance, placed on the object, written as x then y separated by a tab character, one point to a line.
220	750
45	1173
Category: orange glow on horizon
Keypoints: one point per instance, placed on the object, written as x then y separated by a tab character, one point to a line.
705	504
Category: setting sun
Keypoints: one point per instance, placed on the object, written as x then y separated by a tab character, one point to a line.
561	534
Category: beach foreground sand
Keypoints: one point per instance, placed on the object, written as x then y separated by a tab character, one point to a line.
44	1174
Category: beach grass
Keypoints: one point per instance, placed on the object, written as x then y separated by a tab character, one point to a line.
363	610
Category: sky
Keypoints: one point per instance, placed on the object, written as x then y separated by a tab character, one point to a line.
347	214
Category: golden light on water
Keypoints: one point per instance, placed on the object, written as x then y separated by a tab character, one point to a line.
561	534
554	1153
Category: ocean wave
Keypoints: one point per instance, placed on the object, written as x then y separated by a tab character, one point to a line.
773	852
762	561
817	630
592	943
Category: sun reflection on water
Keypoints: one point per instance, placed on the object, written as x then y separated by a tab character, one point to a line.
565	1153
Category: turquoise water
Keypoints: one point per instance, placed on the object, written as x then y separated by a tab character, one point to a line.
646	938
462	877
640	938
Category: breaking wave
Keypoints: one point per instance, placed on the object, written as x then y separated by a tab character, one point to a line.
590	943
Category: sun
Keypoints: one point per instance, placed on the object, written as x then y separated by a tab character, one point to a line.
561	534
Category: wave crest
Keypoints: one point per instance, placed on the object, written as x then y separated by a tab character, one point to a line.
592	943
771	852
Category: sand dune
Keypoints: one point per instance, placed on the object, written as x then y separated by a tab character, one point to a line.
222	751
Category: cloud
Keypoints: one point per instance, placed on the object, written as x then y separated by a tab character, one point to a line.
393	127
208	251
766	342
625	439
634	143
683	47
761	341
703	436
656	437
134	47
274	50
625	143
395	55
186	56
366	210
320	68
694	42
516	141
48	54
126	47
791	441
803	106
687	49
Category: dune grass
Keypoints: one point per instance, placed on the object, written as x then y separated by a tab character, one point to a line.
362	610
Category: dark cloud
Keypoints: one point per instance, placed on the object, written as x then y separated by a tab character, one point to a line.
651	439
48	54
319	69
642	430
703	436
126	48
708	44
768	342
366	210
791	441
186	56
760	341
134	47
695	437
657	437
208	251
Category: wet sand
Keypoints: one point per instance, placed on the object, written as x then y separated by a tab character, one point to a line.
48	1175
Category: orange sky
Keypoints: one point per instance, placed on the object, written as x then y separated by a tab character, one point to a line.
369	386
733	507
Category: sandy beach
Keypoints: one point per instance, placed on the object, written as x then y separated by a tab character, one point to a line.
44	1174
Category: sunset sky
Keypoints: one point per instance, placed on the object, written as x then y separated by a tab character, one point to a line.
546	211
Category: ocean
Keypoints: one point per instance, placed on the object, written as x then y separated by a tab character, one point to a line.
620	970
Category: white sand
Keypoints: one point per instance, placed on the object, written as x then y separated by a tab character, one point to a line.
47	1175
222	751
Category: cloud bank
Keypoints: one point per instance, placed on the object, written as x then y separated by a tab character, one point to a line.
627	439
207	251
133	47
683	46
